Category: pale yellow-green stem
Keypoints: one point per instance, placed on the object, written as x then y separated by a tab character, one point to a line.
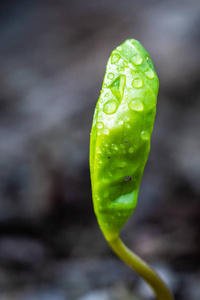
142	268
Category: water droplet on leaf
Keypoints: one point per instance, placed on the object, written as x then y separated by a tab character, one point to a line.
137	59
110	76
136	105
127	125
100	125
106	131
125	64
130	150
110	107
119	48
144	135
137	83
120	122
150	74
123	164
114	147
115	58
120	69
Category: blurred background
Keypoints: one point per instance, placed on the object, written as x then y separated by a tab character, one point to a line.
53	56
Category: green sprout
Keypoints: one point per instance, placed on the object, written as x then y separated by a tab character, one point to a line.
119	148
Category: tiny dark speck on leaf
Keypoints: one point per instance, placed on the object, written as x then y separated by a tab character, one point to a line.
128	178
126	141
108	156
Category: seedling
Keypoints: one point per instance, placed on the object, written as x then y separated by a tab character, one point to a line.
119	148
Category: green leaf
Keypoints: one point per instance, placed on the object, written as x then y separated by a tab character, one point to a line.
120	136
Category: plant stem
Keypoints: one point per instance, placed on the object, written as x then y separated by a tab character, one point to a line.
142	268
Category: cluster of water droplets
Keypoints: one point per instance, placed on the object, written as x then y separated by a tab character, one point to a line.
136	59
111	106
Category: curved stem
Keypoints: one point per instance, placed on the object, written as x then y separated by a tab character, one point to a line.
142	268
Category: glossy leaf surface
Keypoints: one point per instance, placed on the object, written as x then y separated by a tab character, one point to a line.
120	136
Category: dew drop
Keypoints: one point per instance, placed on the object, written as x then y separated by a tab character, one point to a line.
120	69
150	74
98	150
110	174
137	59
106	131
127	125
136	105
120	122
126	119
115	58
119	48
110	76
130	150
104	85
106	95
114	147
100	100
125	64
137	83
100	125
110	107
144	135
100	117
121	145
123	164
133	72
